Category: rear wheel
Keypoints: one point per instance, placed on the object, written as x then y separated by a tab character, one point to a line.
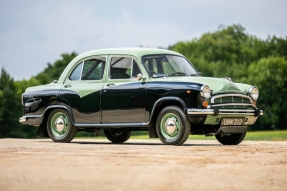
231	139
117	135
60	127
172	126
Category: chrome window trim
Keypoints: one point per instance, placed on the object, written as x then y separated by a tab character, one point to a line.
124	56
82	61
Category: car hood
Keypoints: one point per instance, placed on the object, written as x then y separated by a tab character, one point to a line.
218	85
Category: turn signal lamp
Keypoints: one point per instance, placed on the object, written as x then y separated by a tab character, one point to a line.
205	104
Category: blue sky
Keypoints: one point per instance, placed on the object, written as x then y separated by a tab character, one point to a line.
35	32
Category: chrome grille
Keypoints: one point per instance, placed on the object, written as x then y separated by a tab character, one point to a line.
231	101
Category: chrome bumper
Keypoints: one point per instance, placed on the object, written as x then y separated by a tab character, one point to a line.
22	119
216	112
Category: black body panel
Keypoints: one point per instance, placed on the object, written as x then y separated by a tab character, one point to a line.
85	109
158	90
124	103
36	102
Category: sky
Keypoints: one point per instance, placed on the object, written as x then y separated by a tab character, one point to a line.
34	33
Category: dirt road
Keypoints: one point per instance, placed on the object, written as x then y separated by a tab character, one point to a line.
91	164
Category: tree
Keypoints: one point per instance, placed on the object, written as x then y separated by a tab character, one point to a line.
269	75
10	108
231	52
53	71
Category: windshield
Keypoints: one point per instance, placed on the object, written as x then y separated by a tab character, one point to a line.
167	65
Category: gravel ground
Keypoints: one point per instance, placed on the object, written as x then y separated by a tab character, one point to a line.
91	164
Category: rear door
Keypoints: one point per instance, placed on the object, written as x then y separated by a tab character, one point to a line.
82	90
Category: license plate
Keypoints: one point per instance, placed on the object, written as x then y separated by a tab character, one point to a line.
232	121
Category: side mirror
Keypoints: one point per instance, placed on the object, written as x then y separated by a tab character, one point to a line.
199	73
139	76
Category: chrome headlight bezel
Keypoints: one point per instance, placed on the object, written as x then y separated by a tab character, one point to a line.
253	93
22	99
205	91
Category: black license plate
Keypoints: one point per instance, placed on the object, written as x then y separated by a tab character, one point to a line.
232	121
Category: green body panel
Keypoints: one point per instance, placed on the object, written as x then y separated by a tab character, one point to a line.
44	87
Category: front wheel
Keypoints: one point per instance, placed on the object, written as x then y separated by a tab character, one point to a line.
231	139
117	135
172	126
60	127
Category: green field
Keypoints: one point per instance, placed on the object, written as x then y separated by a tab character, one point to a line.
251	136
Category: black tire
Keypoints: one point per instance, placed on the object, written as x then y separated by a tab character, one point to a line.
65	131
231	139
172	126
117	135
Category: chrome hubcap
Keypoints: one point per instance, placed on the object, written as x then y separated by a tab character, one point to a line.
170	126
60	124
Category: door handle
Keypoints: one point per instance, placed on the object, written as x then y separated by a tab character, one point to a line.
67	86
112	84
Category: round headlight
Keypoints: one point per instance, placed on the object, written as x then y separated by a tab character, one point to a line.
205	91
254	93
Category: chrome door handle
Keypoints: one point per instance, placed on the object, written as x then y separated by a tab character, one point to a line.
111	84
67	86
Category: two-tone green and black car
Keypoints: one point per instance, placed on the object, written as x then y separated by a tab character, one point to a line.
140	89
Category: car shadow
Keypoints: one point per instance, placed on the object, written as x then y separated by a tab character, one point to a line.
140	143
136	143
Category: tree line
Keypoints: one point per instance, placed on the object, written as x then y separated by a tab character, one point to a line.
228	52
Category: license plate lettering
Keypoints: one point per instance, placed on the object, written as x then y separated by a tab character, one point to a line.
232	121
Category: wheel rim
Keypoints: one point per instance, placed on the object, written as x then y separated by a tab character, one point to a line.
115	133
170	126
59	124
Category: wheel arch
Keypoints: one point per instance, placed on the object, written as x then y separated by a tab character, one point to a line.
162	103
42	130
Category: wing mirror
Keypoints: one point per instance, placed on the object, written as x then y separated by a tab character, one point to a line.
139	76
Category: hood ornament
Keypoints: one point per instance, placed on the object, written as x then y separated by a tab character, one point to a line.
228	79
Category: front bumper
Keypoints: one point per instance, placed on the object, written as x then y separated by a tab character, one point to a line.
217	112
22	119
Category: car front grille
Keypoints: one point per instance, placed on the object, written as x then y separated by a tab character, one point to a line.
231	101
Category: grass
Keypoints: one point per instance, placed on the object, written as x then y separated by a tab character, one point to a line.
250	136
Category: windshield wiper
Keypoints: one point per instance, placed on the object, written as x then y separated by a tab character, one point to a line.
177	74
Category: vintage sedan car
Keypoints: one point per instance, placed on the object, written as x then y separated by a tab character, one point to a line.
140	89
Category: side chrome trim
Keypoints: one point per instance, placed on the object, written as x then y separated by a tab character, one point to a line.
229	95
119	125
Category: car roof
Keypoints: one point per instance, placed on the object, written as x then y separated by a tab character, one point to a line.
135	51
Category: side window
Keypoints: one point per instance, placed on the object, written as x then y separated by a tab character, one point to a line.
93	69
76	74
136	69
120	67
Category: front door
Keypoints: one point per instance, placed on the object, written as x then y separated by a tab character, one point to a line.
123	96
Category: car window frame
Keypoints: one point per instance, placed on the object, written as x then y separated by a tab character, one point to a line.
123	79
83	61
